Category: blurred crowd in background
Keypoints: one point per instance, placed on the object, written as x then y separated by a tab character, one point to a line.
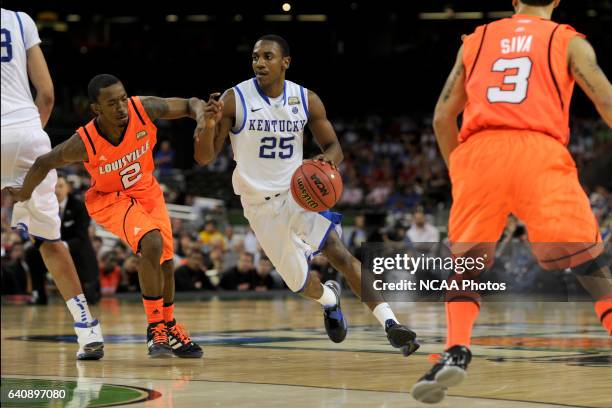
396	189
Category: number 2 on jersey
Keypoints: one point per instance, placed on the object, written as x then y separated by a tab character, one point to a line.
7	47
130	175
520	80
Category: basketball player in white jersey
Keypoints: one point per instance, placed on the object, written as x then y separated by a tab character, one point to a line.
23	140
265	117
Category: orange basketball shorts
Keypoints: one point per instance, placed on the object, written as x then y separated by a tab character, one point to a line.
531	175
132	216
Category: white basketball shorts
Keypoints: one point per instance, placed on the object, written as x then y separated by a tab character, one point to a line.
39	216
290	235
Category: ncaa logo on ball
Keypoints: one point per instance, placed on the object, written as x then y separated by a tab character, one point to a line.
305	196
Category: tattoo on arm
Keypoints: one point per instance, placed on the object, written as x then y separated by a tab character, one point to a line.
450	84
154	106
578	74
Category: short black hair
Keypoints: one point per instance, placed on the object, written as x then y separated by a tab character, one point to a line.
98	82
537	2
283	44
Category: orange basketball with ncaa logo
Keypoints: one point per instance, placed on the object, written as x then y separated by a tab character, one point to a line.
316	186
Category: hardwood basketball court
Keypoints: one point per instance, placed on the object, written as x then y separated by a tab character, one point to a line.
274	352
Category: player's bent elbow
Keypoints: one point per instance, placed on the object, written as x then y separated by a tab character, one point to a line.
45	99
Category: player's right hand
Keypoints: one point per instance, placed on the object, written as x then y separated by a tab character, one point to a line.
213	110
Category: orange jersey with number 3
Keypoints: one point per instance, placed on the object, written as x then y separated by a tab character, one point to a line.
517	77
128	166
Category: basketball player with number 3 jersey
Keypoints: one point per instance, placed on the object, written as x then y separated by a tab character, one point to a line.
116	148
265	118
513	80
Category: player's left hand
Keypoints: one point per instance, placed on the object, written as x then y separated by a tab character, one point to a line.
323	158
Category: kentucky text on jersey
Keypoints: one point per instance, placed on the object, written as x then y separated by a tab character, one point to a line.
265	125
125	160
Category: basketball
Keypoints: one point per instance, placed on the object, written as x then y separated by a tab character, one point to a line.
316	186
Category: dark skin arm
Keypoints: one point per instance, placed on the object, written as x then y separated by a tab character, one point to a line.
323	131
590	77
176	108
222	114
71	151
450	104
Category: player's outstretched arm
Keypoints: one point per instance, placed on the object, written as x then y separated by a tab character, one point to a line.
71	151
222	114
450	104
173	108
323	131
589	76
38	72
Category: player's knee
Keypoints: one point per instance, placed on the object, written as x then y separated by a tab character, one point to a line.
151	244
168	268
593	266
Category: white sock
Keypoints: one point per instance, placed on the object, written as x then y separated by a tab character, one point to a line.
329	297
79	309
383	313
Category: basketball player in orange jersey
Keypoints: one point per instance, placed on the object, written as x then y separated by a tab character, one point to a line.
513	80
117	150
266	116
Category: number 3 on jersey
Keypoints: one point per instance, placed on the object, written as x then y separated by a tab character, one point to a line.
520	80
130	175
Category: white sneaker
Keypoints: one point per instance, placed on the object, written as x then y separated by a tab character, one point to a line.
91	342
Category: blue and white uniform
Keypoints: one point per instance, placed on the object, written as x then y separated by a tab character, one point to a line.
23	138
267	141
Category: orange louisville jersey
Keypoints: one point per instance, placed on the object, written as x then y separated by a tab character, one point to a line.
127	166
517	77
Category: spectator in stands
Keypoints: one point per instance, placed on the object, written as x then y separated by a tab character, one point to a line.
110	273
129	274
265	278
241	276
422	234
210	233
164	158
321	266
97	244
352	195
186	243
192	275
74	232
358	235
14	271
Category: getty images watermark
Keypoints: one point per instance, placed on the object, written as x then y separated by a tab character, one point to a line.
422	263
510	272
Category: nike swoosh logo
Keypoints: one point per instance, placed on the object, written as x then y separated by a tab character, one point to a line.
255	110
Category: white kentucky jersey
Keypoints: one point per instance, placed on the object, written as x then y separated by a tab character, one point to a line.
268	137
19	33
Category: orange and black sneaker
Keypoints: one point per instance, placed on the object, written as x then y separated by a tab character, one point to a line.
179	341
157	341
